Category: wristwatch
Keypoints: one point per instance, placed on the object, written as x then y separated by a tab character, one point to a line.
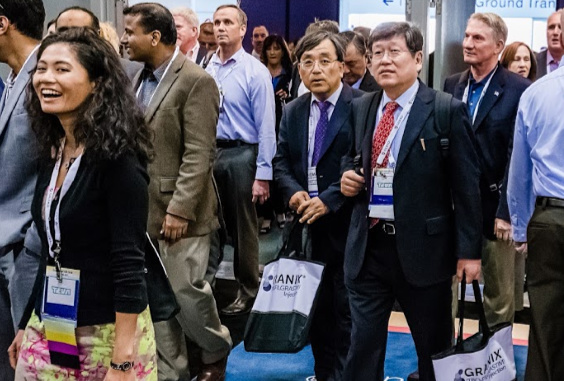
124	366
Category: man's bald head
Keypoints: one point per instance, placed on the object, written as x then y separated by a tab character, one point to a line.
78	17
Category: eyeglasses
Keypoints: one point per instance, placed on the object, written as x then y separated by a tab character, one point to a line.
323	63
378	55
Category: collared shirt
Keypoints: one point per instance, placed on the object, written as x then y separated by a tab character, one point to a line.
315	114
537	161
247	106
151	80
551	63
475	90
356	85
12	78
402	101
192	54
255	54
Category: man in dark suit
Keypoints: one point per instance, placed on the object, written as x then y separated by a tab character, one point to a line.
492	96
356	60
314	135
187	31
420	221
548	60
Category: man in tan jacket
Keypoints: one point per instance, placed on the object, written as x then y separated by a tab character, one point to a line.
181	105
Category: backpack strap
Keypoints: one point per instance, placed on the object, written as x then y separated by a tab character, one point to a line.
442	121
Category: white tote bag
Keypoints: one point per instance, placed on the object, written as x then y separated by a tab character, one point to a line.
485	356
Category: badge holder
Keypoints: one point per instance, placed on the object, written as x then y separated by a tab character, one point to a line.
59	314
312	187
382	199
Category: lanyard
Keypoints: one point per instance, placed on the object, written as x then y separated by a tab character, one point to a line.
467	89
402	118
158	84
55	242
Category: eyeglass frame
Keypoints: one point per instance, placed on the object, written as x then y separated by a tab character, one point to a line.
392	54
319	63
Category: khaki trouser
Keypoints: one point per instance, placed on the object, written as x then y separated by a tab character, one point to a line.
186	262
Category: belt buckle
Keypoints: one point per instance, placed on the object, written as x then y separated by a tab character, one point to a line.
494	188
388	228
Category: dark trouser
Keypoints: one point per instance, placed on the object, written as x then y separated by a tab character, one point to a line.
372	294
545	280
330	332
234	172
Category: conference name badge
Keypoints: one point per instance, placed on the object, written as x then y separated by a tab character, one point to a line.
312	188
59	315
382	199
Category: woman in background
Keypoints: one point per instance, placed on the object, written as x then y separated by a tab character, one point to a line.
276	56
520	59
90	207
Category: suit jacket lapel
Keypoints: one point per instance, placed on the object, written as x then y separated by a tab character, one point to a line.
461	85
420	111
301	121
17	91
493	93
164	86
370	114
338	118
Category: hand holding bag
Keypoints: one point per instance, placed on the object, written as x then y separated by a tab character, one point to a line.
162	301
485	356
283	310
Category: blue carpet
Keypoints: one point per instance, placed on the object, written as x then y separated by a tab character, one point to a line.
400	361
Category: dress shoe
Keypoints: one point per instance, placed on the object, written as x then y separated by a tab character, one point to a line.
242	305
214	371
413	376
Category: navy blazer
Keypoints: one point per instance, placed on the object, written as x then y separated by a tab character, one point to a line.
291	161
493	129
436	201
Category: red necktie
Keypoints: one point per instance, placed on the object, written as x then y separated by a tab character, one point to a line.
383	130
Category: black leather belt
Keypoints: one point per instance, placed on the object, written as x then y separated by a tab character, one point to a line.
550	201
231	143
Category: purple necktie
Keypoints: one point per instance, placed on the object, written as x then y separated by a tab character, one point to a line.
320	131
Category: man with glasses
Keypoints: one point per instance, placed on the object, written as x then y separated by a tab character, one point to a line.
21	29
416	206
314	135
246	143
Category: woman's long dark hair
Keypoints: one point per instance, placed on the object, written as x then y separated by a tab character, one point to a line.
109	122
279	40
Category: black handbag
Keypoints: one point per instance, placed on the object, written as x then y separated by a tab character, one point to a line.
162	302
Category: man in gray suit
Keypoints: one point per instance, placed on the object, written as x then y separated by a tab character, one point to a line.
21	28
549	59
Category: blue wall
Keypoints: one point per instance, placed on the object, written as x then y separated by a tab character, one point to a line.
288	18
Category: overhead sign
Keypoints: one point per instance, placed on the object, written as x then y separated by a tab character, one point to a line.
505	8
517	8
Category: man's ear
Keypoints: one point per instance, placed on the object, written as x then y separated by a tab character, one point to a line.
155	37
4	24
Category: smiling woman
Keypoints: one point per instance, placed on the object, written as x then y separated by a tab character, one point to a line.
90	207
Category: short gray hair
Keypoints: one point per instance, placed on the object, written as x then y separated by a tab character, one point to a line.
310	41
242	16
388	30
495	22
188	14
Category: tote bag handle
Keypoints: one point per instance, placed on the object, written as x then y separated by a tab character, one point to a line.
486	333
